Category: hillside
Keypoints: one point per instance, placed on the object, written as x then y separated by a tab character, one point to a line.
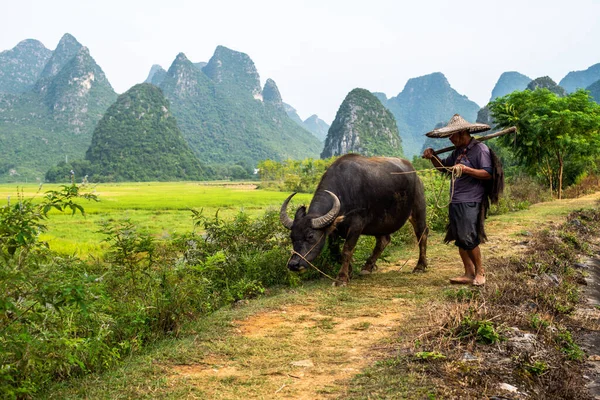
156	75
424	102
580	79
508	83
545	82
54	119
363	125
21	66
317	126
313	124
137	139
222	115
594	89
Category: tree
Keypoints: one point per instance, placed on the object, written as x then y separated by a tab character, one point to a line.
554	134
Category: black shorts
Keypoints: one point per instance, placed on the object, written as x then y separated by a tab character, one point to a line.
463	224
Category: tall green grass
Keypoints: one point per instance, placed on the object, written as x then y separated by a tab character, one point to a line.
161	209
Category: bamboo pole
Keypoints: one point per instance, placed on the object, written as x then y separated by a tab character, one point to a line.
481	139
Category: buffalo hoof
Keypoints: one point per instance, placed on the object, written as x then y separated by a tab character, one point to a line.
339	283
419	268
364	272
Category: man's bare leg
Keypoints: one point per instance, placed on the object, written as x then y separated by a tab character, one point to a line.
469	275
475	256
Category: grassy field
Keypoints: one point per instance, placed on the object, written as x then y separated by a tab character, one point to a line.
318	341
159	208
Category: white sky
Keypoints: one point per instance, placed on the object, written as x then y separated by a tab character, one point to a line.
319	50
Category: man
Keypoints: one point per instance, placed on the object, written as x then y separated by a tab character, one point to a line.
471	165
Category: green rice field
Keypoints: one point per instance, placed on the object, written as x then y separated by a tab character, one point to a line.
159	208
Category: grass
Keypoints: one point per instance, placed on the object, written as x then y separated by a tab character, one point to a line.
351	335
161	209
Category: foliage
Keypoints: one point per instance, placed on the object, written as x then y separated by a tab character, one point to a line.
363	125
429	355
137	139
22	221
222	121
557	137
483	331
293	175
54	119
62	316
568	346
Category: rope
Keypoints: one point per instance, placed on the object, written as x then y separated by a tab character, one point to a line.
418	244
454	172
309	263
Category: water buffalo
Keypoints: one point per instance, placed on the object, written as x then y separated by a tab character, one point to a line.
358	196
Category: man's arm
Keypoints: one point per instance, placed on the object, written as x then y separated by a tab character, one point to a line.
430	155
475	173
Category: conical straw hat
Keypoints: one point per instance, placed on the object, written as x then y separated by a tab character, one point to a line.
457	124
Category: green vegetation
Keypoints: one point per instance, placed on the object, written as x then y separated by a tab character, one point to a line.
54	120
557	138
363	125
160	209
594	89
22	65
149	146
423	103
291	175
61	316
221	119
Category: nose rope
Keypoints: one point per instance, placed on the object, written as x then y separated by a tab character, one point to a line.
308	262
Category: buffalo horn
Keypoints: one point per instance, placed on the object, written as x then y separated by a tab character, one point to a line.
283	217
323	221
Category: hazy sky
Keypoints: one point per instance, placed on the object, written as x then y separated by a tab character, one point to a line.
318	51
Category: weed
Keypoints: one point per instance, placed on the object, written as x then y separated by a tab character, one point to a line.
483	331
568	346
429	355
325	324
538	368
460	295
538	323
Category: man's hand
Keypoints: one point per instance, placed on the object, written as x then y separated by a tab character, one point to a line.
428	153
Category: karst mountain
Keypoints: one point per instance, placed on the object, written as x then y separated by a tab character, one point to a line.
52	115
137	139
363	125
52	102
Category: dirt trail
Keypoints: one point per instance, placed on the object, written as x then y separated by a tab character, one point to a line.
310	350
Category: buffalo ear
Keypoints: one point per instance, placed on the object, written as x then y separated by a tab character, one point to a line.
300	212
333	226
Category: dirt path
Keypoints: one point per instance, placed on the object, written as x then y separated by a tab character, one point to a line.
309	347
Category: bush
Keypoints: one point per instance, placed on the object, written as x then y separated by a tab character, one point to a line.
62	316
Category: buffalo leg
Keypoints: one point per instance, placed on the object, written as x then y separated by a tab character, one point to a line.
380	245
345	270
418	219
421	231
333	244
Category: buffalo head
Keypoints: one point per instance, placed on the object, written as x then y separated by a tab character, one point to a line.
308	234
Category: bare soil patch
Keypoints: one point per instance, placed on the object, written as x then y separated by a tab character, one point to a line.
306	353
